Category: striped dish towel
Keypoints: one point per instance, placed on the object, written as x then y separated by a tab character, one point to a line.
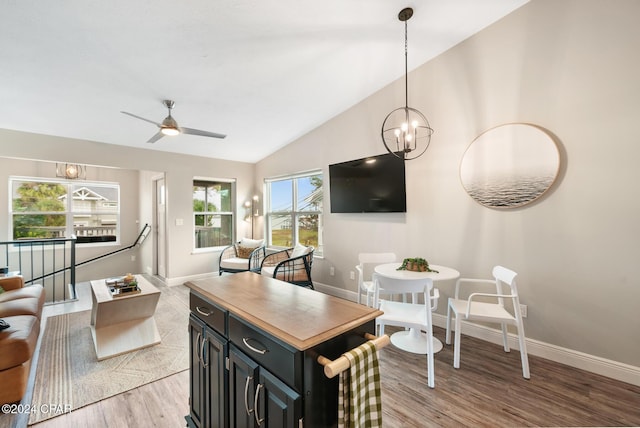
359	397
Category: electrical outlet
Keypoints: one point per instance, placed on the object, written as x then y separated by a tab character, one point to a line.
332	271
523	310
352	275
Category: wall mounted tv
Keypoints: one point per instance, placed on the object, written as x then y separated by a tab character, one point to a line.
372	184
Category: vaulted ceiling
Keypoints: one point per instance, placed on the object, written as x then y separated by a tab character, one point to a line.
263	72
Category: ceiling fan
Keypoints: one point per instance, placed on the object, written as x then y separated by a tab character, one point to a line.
170	127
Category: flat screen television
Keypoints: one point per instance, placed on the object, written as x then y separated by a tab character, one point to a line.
368	185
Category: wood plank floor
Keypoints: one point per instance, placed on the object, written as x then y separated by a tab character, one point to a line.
487	391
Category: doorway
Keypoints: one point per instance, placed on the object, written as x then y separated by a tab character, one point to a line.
160	216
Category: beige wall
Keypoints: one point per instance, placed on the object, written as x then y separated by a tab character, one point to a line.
570	66
136	197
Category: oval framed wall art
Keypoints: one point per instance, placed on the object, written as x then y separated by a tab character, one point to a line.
510	165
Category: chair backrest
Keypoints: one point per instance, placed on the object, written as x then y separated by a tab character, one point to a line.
402	286
506	277
366	261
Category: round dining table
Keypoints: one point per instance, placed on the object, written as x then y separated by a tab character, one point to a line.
413	340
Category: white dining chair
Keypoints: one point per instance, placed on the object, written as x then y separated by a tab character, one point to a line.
414	316
488	307
365	263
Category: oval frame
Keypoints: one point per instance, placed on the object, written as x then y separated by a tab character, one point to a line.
510	165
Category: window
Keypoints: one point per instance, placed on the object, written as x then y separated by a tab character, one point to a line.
213	213
44	209
294	211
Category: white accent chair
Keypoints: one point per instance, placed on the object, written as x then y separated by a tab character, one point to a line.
416	316
245	255
488	307
365	262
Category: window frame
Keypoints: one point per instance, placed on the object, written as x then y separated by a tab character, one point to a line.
69	213
231	213
295	213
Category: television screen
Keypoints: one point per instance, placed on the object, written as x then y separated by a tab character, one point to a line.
372	184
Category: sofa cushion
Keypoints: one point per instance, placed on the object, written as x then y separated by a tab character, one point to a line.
24	292
18	342
26	306
235	263
12	282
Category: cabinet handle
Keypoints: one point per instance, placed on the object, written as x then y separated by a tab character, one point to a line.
245	340
204	344
246	392
199	348
255	405
201	311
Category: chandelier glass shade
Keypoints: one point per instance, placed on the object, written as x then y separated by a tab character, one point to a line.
406	132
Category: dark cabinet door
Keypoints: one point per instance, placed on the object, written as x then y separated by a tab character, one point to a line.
277	405
196	378
243	372
213	363
208	380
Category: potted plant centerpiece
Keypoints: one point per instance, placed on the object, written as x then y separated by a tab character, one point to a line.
416	264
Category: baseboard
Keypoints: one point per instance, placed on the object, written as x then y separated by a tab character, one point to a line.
182	279
602	366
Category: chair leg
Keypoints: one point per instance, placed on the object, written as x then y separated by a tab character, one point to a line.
456	343
505	338
447	338
431	372
522	341
359	294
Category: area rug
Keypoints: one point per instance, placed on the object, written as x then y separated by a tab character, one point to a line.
70	376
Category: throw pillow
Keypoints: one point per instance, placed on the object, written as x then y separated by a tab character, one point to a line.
243	252
298	250
251	243
1	290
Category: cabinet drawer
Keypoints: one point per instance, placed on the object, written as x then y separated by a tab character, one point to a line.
213	315
280	359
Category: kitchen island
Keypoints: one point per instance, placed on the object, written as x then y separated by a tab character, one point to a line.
254	347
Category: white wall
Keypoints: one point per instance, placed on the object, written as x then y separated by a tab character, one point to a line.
137	191
570	66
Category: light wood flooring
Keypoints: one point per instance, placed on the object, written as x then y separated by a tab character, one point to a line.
487	391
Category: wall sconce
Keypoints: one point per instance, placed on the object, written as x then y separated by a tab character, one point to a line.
71	171
254	212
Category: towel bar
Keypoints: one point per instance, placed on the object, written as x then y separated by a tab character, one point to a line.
340	364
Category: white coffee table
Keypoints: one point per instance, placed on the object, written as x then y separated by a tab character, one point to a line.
123	324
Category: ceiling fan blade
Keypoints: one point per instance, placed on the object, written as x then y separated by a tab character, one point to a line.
192	131
156	137
141	118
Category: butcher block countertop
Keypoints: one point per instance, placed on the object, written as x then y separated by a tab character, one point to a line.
301	317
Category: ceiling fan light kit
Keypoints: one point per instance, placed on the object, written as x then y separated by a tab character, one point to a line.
169	126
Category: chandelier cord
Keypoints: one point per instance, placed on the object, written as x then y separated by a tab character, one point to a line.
406	68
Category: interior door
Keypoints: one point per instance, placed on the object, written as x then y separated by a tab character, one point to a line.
160	236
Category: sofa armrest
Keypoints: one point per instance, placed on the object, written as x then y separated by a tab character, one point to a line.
13	282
